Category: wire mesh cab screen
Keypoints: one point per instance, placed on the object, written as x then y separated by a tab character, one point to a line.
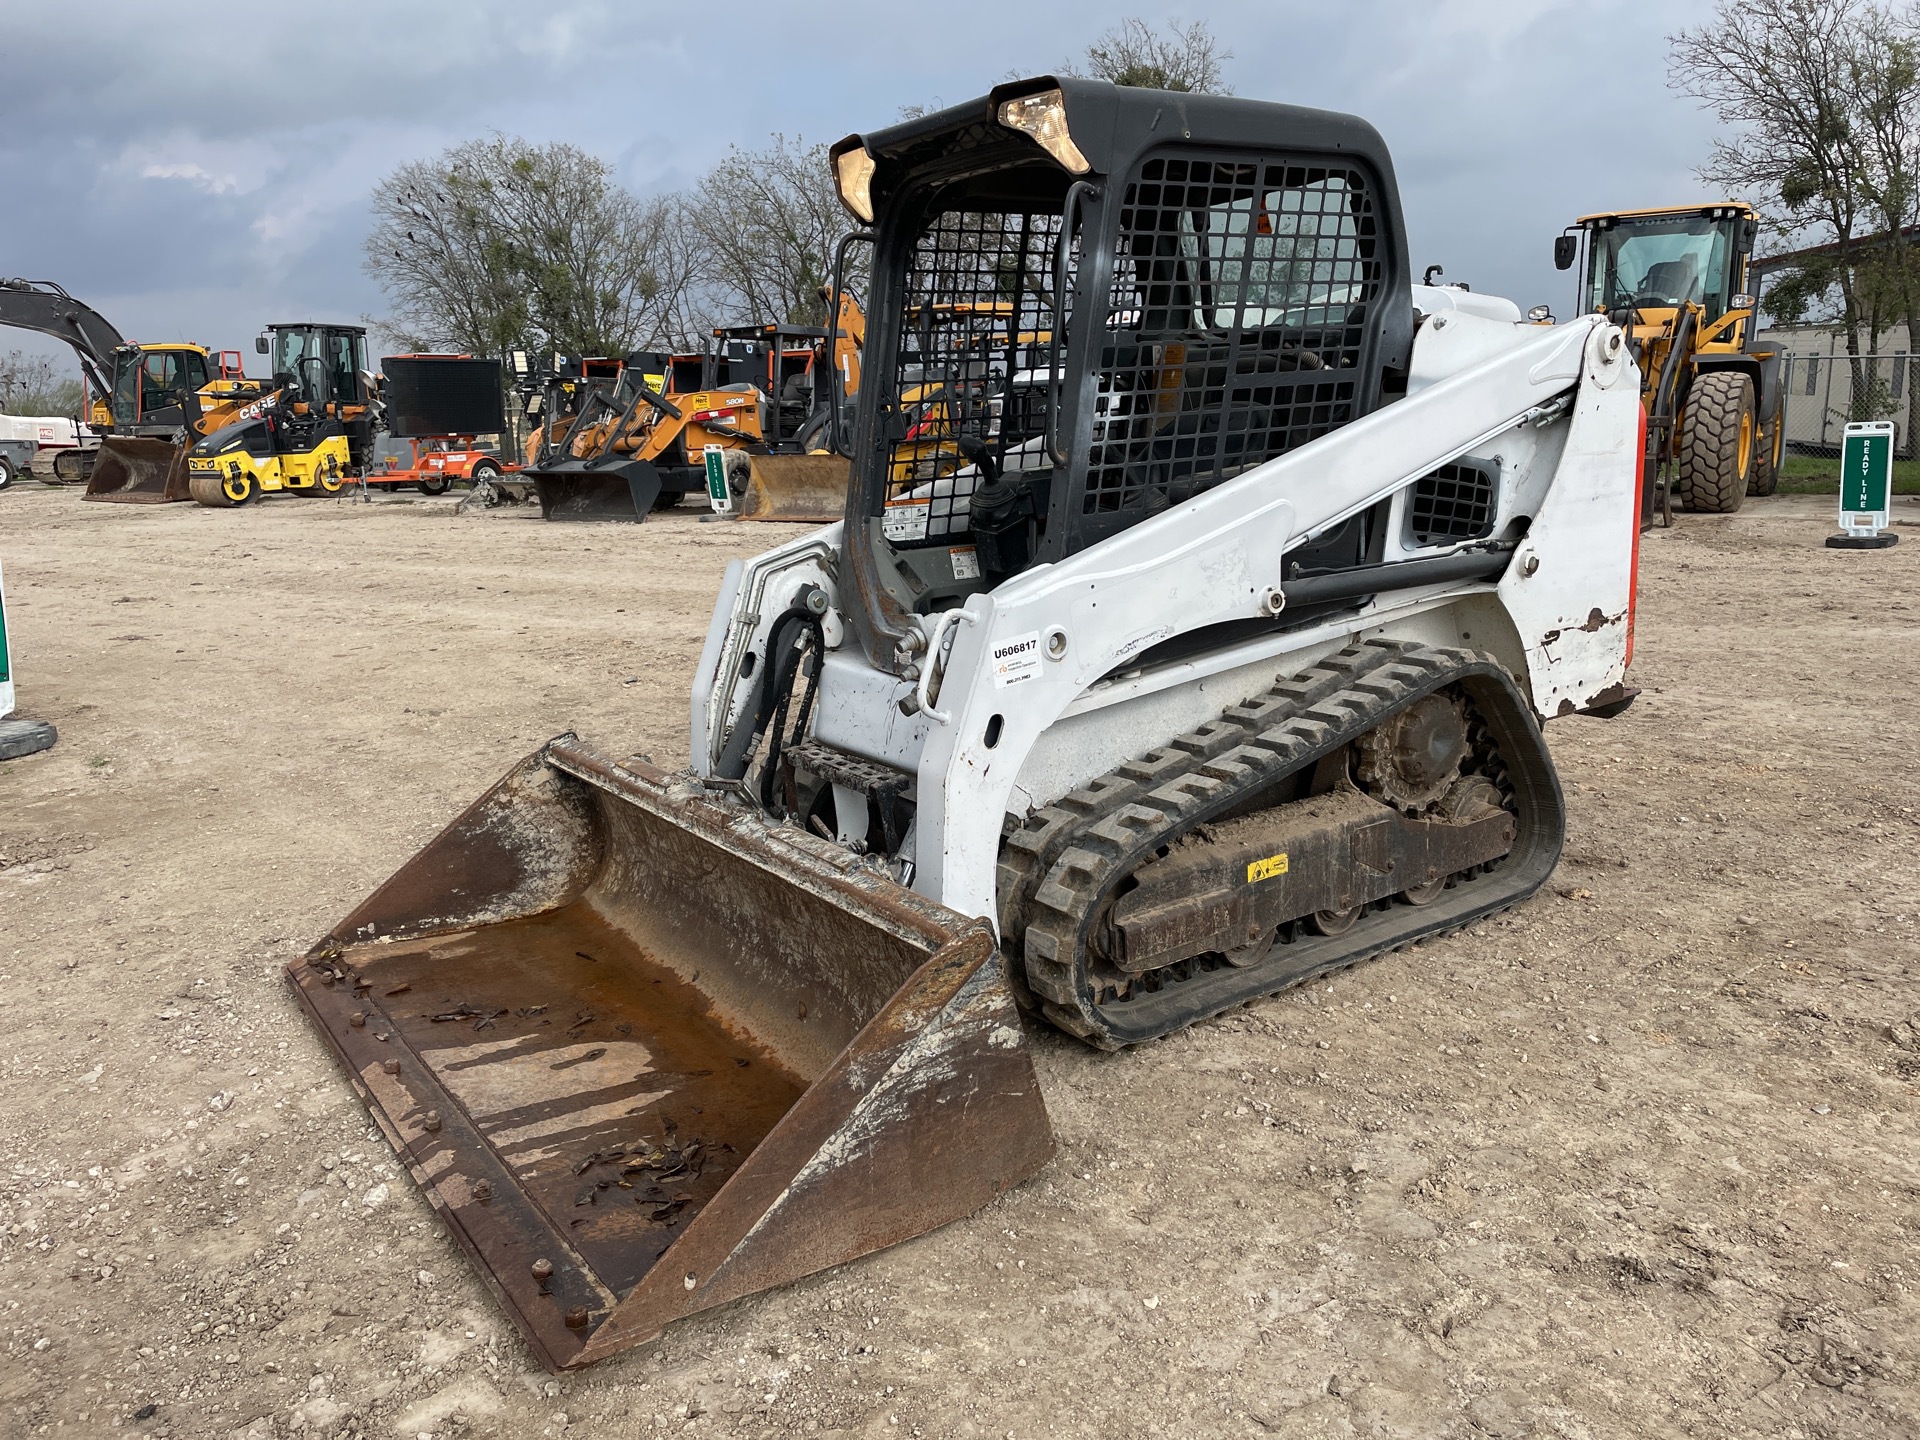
975	331
1240	324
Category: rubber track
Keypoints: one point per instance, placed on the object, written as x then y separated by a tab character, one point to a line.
1057	869
1029	853
1708	476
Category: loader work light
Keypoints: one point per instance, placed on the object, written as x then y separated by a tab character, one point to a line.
853	171
1044	117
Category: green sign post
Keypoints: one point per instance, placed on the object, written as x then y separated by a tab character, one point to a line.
1866	487
718	495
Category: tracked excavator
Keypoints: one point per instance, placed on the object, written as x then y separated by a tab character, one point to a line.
1231	675
151	401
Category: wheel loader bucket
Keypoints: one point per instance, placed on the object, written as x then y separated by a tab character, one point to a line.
578	490
648	1054
139	471
809	489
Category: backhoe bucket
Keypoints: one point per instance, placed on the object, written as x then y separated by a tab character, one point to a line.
808	489
647	1053
579	490
139	471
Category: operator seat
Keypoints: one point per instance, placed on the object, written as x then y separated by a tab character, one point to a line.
1674	280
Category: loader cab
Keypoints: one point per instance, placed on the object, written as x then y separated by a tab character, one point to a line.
780	362
1218	281
151	381
1645	265
326	363
322	369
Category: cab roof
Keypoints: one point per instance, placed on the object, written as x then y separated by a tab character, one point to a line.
1737	208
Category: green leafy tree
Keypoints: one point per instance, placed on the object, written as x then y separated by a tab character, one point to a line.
1819	98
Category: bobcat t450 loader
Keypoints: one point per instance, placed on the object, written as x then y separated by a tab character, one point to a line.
1232	676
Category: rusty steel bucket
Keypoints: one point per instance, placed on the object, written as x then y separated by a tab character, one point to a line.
808	489
139	471
648	1054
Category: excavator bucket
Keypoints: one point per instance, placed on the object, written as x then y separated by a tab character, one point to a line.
809	489
139	471
648	1054
585	490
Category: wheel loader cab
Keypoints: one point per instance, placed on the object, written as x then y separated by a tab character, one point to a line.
1218	282
1653	262
1676	278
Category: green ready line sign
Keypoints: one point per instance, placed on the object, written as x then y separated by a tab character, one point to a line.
718	495
1866	476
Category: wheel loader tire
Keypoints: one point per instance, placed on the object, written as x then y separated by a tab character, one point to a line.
1766	464
1716	444
668	499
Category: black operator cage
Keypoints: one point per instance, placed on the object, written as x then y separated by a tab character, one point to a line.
1235	286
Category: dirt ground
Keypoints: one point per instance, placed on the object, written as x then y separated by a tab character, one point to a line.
1636	1159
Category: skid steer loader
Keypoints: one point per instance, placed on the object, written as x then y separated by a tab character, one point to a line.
1229	676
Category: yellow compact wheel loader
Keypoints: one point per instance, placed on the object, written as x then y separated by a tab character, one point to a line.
1676	279
1224	669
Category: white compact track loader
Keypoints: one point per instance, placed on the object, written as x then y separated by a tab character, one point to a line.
1188	634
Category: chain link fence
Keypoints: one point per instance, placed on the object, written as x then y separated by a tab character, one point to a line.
1827	390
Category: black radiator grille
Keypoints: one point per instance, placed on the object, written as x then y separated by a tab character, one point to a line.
1456	502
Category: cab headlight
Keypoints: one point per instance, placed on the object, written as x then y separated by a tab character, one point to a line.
853	173
1044	117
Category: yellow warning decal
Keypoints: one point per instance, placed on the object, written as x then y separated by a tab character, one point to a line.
1258	870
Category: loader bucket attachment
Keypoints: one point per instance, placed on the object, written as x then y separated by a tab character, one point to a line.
139	471
617	490
647	1053
808	489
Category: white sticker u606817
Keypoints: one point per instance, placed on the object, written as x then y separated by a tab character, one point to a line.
1016	658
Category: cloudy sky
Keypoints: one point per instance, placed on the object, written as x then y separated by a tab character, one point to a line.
194	185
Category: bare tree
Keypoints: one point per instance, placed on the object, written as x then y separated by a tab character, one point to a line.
499	243
764	224
35	385
1819	97
1184	57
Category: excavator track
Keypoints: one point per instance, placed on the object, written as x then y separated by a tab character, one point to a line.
1061	873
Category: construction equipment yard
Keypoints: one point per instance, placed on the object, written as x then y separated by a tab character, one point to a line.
1636	1157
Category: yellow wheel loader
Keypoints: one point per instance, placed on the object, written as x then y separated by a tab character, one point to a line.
1675	278
1229	673
306	435
149	402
